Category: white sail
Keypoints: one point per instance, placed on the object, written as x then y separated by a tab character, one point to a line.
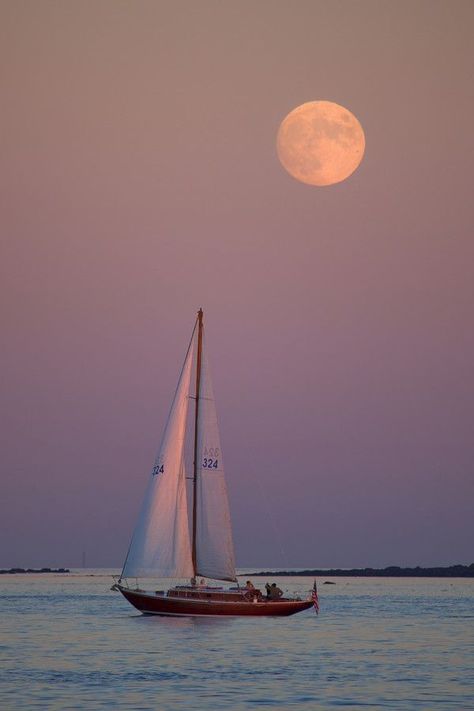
214	545
161	544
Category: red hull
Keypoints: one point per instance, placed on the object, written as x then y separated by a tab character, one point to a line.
153	604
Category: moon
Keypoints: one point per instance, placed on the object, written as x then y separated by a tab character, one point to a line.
320	143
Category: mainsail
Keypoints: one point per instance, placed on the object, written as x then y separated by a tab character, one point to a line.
214	545
161	544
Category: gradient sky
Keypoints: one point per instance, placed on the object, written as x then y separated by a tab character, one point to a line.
140	181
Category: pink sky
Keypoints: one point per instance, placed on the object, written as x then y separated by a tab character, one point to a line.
139	181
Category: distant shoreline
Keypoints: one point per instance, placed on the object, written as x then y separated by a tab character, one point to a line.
393	571
22	571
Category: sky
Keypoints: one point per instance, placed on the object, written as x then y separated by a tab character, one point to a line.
139	181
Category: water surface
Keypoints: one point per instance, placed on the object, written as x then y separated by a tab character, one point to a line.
67	642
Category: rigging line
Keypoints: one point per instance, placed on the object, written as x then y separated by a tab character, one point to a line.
271	518
167	420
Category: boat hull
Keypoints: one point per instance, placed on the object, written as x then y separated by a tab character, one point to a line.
151	604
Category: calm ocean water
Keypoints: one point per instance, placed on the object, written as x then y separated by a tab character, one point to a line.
67	642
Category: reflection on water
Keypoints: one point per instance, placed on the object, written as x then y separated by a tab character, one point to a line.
69	642
183	623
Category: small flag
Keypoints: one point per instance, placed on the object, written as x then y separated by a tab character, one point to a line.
314	597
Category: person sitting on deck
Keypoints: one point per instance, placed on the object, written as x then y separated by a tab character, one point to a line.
275	592
268	589
249	585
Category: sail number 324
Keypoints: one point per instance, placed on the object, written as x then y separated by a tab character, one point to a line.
211	458
209	463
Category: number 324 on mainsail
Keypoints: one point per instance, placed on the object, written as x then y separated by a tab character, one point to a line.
168	542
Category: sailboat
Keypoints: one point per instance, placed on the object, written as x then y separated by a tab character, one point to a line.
168	542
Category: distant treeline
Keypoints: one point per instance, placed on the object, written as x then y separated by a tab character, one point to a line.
11	571
393	571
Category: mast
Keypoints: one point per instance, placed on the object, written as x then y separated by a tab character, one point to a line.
196	416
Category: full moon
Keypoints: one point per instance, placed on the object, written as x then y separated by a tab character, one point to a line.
320	143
